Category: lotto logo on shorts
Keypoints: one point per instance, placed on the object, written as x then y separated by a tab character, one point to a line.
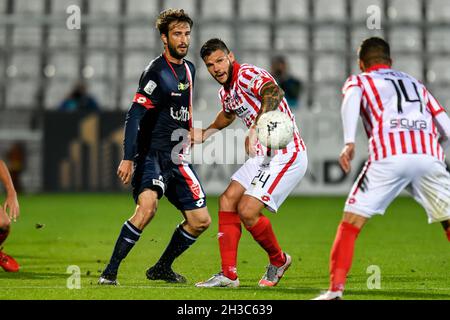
265	198
351	201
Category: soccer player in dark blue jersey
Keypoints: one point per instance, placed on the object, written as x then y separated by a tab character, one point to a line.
156	142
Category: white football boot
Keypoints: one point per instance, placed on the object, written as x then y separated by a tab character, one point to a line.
330	295
218	281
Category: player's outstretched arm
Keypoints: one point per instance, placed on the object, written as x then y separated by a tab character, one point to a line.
11	205
223	120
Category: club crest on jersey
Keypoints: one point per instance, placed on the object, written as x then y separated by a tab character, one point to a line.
183	86
180	115
150	87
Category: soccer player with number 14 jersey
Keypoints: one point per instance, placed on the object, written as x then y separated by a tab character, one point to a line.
408	131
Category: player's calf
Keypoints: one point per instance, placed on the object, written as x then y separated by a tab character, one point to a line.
446	226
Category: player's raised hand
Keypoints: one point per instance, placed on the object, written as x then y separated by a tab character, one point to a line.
11	206
125	170
346	157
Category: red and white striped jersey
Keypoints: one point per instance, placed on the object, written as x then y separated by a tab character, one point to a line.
243	97
397	112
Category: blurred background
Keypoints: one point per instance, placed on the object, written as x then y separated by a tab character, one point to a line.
53	142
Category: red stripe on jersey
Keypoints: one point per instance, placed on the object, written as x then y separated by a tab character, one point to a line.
250	101
402	140
282	172
413	141
439	151
143	101
374	147
392	142
431	144
192	186
302	144
369	102
380	121
422	142
246	76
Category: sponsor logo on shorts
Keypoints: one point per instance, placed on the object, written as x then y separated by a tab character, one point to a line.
200	202
265	198
351	201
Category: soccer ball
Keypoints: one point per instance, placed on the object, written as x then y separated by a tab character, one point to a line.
275	129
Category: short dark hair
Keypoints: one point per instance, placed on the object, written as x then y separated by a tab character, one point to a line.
374	50
213	45
168	16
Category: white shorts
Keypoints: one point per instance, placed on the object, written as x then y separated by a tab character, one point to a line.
380	182
271	179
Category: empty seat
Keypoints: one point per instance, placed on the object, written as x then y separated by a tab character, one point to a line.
329	67
104	65
29	7
327	98
291	37
408	10
255	9
141	37
104	7
298	66
22	93
104	92
26	63
129	88
27	36
439	69
292	9
217	8
325	9
405	38
142	7
63	38
438	10
255	36
438	39
104	37
329	38
66	64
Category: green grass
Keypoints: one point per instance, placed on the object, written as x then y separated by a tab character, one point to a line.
81	229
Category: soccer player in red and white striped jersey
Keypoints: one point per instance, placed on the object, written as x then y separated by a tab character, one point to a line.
408	131
266	178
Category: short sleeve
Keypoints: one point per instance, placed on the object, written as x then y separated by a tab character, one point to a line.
432	103
352	81
252	80
148	94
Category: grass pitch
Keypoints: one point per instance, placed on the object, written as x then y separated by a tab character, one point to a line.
56	231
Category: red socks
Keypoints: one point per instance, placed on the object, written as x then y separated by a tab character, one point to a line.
262	232
342	255
4	234
229	234
448	234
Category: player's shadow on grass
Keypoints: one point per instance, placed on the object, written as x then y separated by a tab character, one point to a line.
25	275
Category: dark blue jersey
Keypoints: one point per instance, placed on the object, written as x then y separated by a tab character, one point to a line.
162	105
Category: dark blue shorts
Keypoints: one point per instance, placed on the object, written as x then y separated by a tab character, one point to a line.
178	182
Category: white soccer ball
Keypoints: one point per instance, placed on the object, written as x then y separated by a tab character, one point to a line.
275	129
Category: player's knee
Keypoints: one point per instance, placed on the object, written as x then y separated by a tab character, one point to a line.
227	202
247	214
202	224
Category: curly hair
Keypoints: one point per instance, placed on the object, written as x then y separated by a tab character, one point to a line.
168	16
